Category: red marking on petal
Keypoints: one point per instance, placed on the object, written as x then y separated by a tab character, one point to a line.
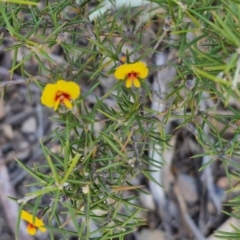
62	96
31	225
132	75
31	229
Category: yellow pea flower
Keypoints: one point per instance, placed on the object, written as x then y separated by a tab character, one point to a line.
132	72
60	92
33	223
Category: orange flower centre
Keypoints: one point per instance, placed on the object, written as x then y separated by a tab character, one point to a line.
31	229
132	75
61	95
31	226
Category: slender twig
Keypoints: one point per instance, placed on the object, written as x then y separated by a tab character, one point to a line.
188	220
13	82
157	44
156	152
22	81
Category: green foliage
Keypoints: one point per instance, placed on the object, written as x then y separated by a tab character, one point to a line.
101	162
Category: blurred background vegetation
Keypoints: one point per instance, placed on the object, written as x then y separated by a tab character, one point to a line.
158	162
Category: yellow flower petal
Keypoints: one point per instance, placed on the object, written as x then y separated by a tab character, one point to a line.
31	229
61	91
129	82
136	82
48	95
67	103
141	69
28	217
56	104
70	88
122	71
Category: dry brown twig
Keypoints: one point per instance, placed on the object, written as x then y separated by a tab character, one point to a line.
22	81
160	85
13	82
185	215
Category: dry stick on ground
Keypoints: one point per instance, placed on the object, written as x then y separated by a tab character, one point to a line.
186	217
207	176
167	183
20	81
13	82
10	207
160	85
